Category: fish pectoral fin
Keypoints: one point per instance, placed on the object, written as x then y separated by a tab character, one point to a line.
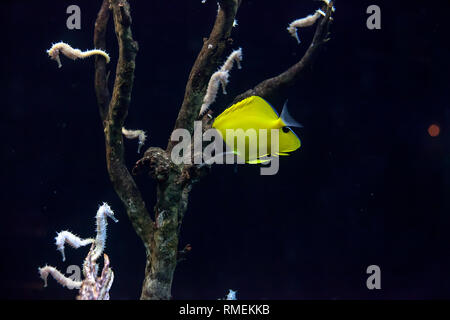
258	161
279	154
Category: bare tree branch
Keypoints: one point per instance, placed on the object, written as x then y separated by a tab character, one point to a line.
209	58
279	85
123	84
114	115
101	85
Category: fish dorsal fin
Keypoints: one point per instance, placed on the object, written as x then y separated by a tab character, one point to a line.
287	119
251	104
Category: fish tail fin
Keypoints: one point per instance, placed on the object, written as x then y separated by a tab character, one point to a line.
288	120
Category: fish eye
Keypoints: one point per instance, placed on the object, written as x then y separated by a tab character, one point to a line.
286	129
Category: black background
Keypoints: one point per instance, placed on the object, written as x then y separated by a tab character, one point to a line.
368	186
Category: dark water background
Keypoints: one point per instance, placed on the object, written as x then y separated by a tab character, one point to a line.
369	185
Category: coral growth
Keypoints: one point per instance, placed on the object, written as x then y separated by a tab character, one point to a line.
231	295
93	287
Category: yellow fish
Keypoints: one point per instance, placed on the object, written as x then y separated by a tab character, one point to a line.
257	114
